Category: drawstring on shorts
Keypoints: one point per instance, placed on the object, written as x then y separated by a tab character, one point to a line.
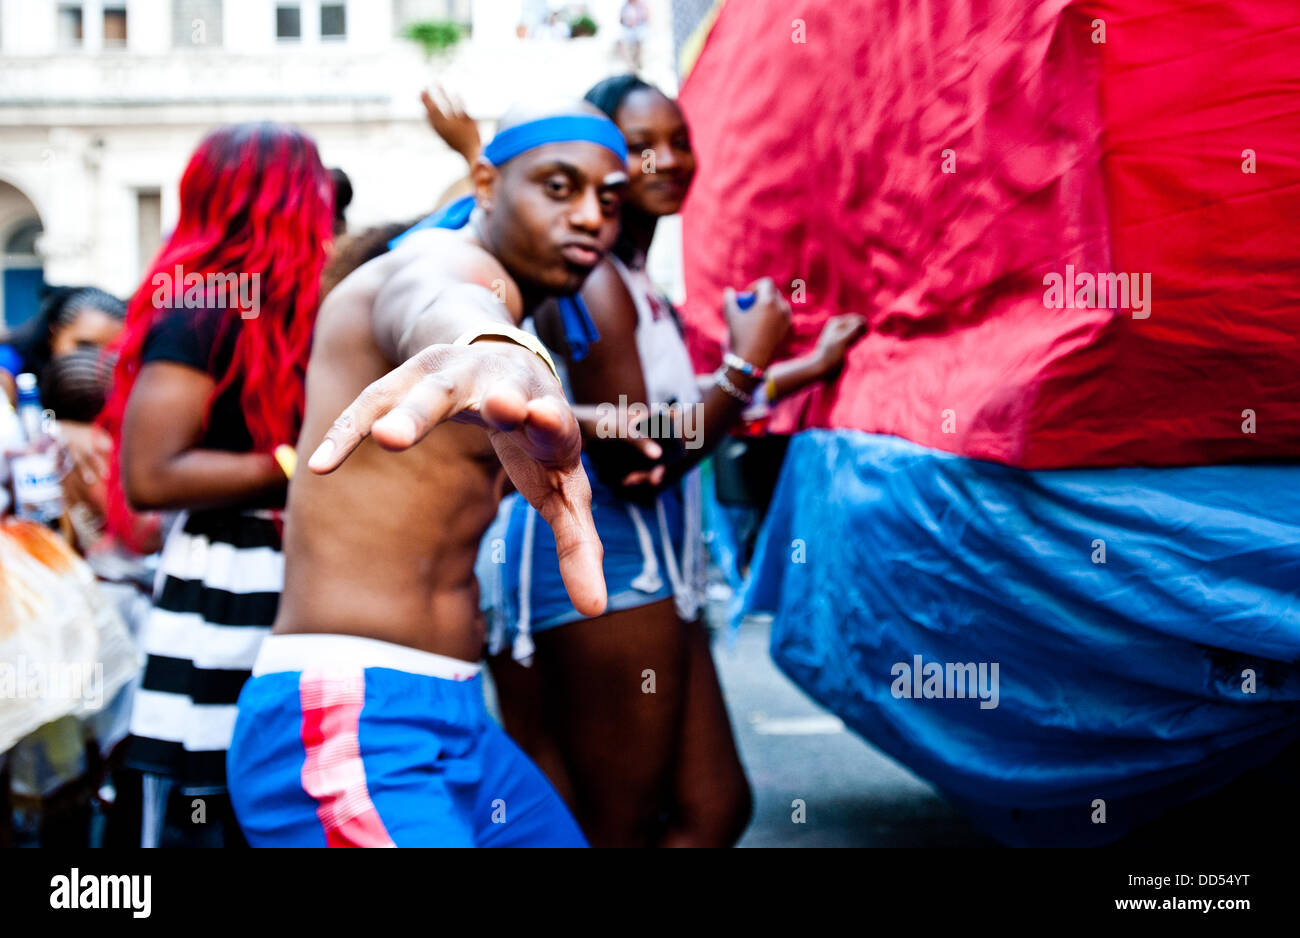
686	575
524	647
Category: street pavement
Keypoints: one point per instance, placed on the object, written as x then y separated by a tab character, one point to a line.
793	750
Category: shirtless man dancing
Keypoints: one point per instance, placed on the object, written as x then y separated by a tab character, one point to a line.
364	722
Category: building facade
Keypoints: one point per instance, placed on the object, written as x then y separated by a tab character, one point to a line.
103	101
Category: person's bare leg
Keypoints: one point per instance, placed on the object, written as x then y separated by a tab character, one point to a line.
713	800
524	712
617	683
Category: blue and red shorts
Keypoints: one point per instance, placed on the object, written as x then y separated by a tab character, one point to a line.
344	741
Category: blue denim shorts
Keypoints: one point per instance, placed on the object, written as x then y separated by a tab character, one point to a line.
636	566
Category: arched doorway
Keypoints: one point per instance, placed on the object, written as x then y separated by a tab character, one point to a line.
22	274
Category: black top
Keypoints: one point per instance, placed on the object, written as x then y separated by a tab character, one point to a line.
204	339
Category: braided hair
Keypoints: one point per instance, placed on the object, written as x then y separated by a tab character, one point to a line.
60	307
75	386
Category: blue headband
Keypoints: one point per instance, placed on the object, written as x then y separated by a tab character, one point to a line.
517	140
579	330
569	128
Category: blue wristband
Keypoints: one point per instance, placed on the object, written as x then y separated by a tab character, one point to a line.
731	360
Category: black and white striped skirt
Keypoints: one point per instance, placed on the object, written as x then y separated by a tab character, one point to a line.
215	600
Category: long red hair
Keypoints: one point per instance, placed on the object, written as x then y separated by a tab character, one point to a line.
255	199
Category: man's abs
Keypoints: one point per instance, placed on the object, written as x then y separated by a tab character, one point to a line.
384	547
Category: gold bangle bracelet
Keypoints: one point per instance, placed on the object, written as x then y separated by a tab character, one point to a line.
517	336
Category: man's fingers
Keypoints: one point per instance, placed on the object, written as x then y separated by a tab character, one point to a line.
577	545
341	439
504	406
584	578
562	495
353	426
432	400
549	422
549	428
420	394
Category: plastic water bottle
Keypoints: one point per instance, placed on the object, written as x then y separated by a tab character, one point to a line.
38	492
12	439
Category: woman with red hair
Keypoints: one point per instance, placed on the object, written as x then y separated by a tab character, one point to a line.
208	389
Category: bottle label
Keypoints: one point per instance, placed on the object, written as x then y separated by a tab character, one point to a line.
38	494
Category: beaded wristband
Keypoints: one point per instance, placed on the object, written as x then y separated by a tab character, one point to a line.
722	381
732	360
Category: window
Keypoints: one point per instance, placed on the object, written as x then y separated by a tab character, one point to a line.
196	23
71	32
288	22
333	20
22	239
21	276
148	216
114	27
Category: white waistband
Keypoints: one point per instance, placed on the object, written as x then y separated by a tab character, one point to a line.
307	652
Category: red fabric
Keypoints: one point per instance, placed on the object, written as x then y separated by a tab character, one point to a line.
332	772
822	161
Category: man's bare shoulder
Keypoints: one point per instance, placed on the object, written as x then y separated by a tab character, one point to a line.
424	261
448	255
343	319
429	263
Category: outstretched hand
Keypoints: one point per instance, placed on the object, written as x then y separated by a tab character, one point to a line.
508	391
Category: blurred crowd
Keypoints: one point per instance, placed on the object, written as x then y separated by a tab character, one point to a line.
148	449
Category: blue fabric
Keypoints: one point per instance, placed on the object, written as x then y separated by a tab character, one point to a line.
579	330
501	556
438	770
10	360
566	128
454	215
1120	681
264	766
